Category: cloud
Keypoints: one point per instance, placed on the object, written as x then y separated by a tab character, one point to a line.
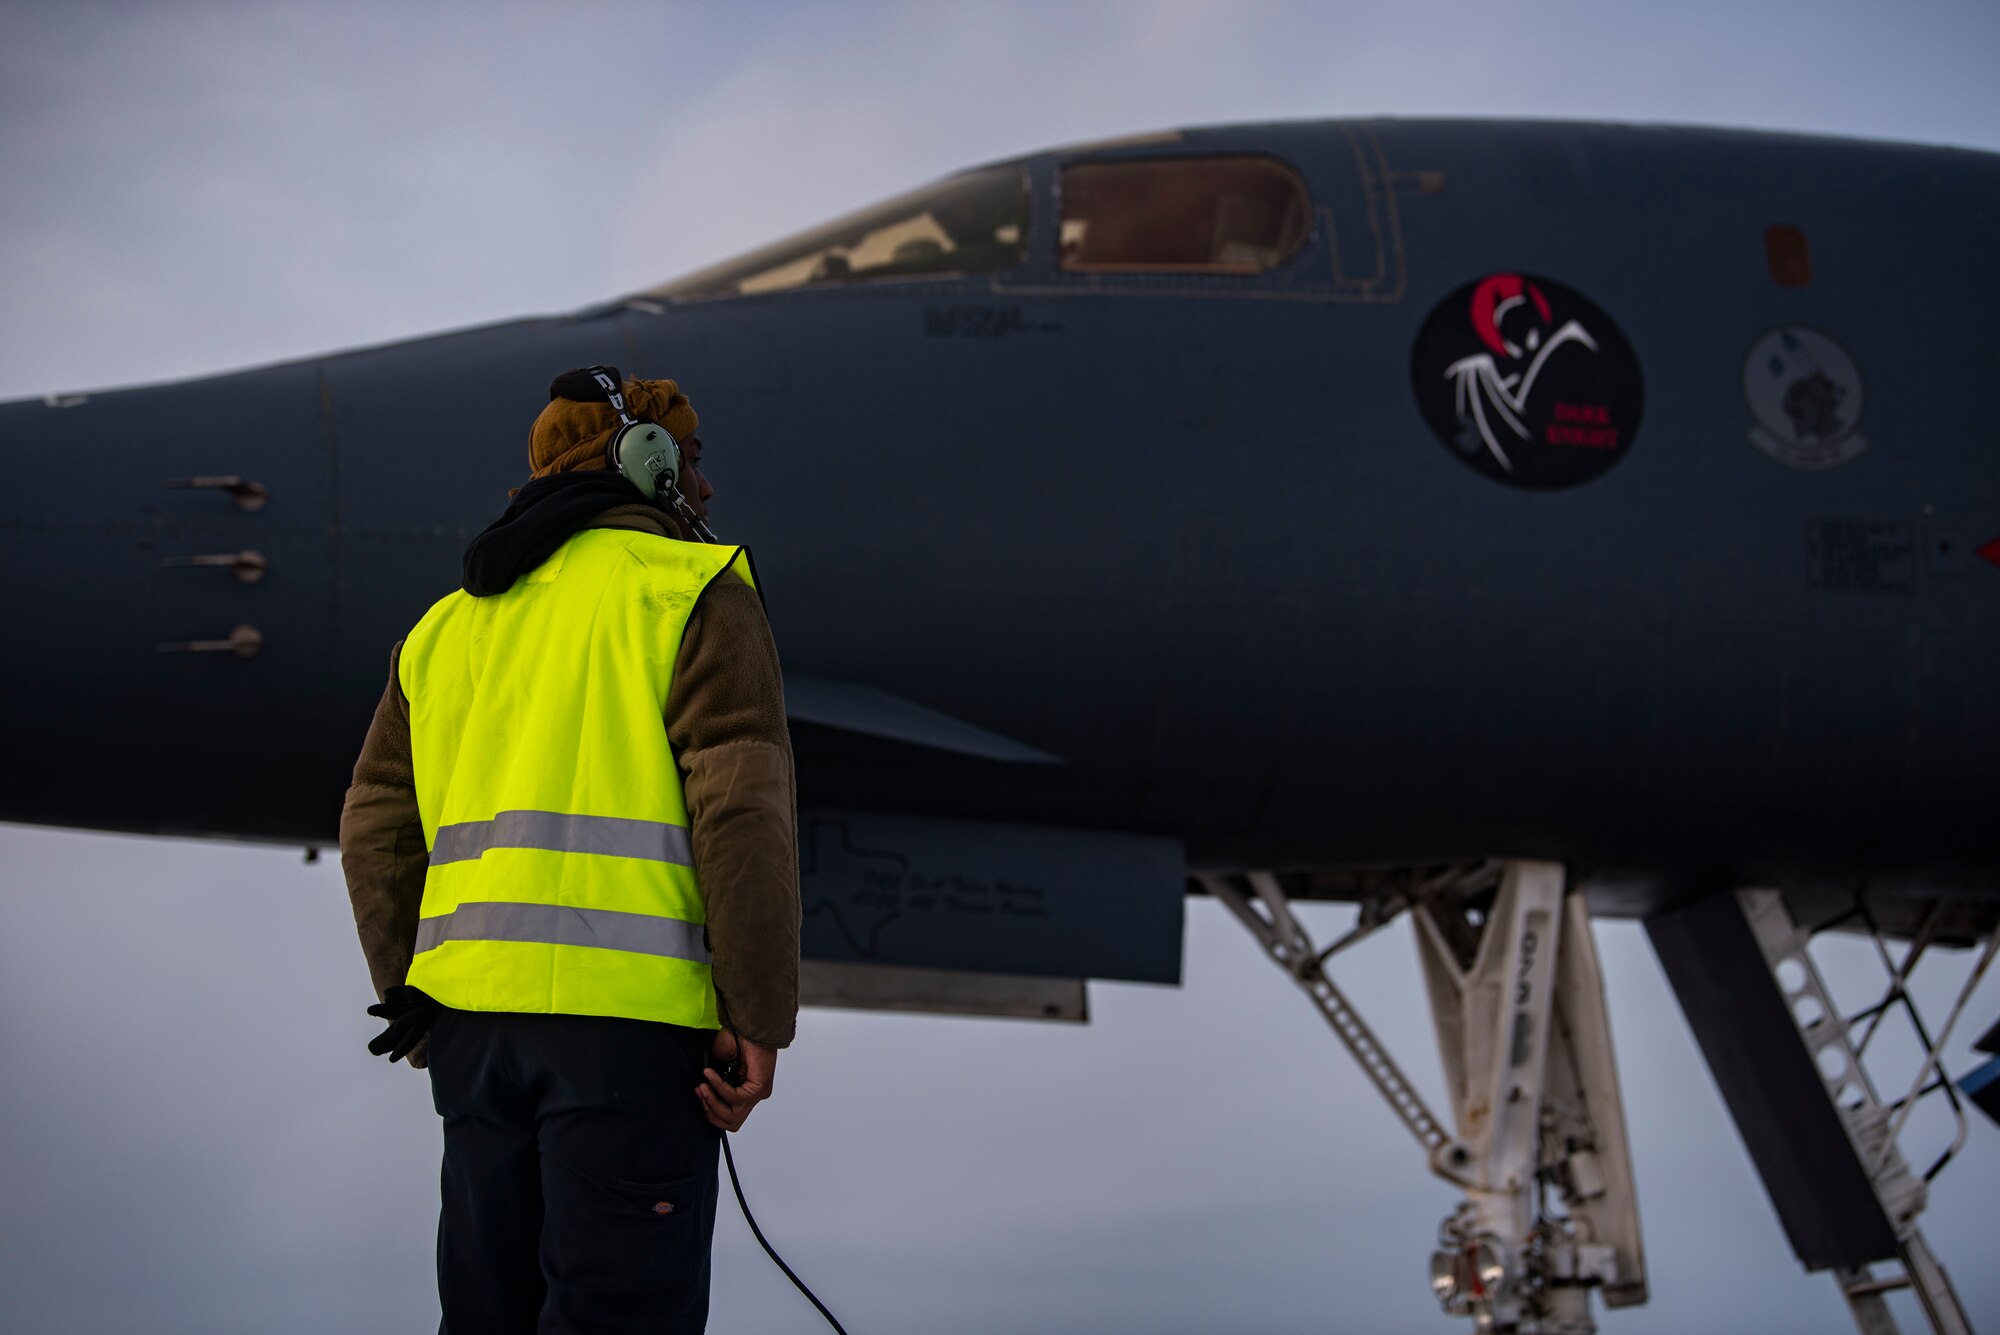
202	186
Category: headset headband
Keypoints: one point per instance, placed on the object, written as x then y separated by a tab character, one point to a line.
607	380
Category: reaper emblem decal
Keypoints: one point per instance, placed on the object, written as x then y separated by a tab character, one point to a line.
1527	381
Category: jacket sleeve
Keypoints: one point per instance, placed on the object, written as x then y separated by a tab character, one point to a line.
382	849
725	720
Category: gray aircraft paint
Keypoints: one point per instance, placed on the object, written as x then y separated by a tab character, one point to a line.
987	897
1346	646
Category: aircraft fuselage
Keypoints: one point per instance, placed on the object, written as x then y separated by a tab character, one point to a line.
1197	534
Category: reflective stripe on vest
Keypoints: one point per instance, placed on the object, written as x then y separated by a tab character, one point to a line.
561	876
613	836
552	924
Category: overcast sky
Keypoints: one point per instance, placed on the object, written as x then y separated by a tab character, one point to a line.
194	1139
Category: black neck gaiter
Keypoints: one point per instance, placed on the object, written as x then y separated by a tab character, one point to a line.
542	517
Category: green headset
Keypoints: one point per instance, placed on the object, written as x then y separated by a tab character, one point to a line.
646	453
643	453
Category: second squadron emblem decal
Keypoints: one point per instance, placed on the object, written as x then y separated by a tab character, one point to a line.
1527	381
1805	393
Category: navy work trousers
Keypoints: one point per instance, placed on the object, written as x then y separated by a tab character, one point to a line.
579	1175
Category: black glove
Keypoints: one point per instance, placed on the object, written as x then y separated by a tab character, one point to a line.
410	1012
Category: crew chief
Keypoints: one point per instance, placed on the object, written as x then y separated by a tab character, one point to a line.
571	848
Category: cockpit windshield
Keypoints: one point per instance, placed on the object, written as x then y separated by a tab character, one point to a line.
1223	215
975	223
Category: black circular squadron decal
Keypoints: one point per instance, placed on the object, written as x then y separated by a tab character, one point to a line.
1527	381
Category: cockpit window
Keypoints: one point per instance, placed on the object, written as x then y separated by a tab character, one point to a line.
975	223
1204	215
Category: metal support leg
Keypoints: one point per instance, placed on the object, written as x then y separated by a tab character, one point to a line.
1519	1006
1267	913
1518	1001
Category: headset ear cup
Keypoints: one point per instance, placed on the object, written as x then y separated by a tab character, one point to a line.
649	458
619	456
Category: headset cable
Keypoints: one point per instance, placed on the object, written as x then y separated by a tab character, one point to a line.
769	1251
732	1072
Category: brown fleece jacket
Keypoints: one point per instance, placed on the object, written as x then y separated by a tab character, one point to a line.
725	719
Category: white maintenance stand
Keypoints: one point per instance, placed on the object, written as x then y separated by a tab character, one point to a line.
1840	1047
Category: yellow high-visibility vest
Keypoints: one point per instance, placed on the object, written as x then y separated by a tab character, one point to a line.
561	870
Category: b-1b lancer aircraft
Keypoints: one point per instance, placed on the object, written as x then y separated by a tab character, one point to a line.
1502	524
